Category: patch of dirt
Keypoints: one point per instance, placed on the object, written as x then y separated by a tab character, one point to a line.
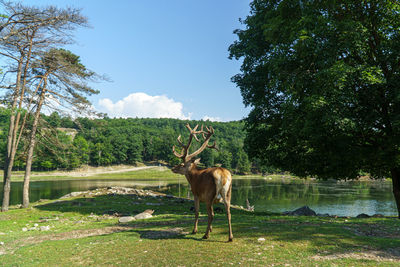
4	217
89	171
62	236
98	170
150	234
75	234
392	255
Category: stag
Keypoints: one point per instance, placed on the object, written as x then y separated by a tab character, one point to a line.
210	185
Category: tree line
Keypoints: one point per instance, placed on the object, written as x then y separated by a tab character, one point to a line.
65	143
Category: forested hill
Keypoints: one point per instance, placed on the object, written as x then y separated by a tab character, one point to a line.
68	144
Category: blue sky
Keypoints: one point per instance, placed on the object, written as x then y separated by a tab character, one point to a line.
164	58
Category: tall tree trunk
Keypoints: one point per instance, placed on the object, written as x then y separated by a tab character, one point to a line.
32	143
396	187
7	164
11	144
7	181
6	187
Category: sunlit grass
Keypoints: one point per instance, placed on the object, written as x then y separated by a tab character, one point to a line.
152	173
288	241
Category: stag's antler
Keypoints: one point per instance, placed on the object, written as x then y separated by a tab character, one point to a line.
193	133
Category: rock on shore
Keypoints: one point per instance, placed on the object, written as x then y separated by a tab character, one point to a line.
115	190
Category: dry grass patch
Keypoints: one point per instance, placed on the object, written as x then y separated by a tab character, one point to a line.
392	255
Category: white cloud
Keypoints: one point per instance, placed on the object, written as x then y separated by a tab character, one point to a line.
207	118
143	106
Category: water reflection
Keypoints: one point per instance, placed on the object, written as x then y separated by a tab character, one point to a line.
55	189
340	198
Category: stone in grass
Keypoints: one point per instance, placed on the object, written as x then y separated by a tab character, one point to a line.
261	239
126	219
303	211
144	215
45	228
72	194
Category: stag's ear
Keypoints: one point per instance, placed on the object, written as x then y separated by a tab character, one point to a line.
196	161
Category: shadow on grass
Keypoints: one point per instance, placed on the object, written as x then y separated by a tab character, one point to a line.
125	205
172	233
116	204
313	234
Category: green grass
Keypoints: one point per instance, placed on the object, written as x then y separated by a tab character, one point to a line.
152	174
155	173
289	241
83	233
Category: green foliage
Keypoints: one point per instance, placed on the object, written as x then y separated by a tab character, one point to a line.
243	163
54	119
102	142
137	140
208	157
64	143
82	148
46	164
322	78
225	159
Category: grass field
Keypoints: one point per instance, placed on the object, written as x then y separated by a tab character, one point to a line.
85	231
150	172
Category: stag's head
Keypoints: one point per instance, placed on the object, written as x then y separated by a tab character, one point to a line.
188	160
185	167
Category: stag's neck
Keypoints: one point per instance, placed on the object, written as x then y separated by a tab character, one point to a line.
192	174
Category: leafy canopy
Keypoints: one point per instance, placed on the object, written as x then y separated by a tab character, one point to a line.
322	78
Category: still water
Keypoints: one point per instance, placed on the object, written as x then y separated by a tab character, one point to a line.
339	198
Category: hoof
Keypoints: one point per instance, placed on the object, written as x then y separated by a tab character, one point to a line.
230	239
205	237
194	232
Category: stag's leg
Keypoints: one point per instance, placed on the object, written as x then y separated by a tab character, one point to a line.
227	203
215	201
210	212
196	210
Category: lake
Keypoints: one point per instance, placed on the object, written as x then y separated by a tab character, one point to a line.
333	197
